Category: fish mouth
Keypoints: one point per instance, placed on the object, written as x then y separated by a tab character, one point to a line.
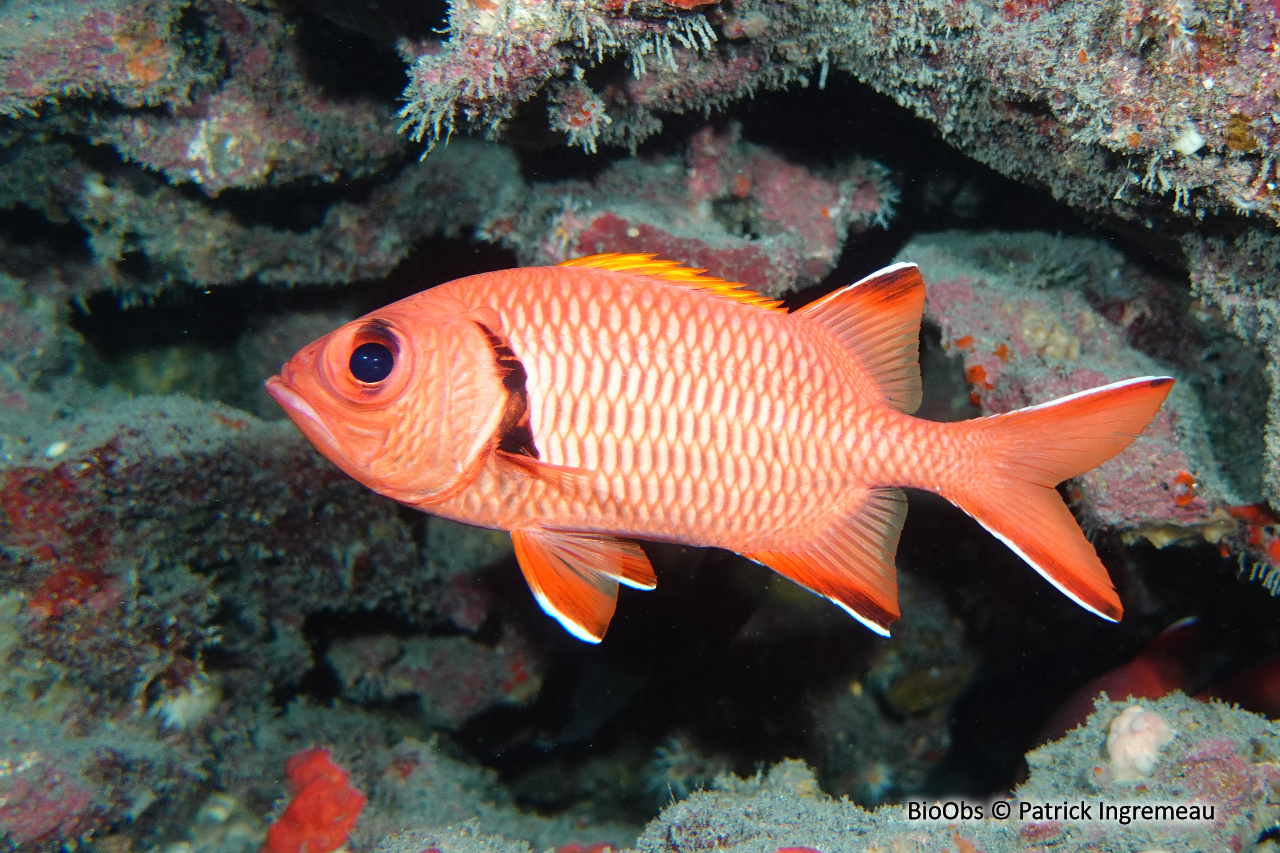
300	411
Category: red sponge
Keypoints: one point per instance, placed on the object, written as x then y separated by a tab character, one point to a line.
324	807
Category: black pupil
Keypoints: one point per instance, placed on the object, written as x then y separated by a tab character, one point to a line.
372	362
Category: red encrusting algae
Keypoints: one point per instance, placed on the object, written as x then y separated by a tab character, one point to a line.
324	808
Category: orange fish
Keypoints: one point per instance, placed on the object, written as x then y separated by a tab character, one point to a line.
617	397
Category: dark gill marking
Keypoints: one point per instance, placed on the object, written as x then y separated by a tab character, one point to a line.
514	434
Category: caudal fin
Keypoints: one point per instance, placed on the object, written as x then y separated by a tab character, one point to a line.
1025	454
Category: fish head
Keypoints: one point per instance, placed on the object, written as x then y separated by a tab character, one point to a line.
407	404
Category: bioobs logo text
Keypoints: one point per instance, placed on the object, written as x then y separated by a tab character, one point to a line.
952	810
1079	811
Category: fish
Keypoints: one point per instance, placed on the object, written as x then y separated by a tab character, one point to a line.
1257	689
1171	661
1175	659
620	397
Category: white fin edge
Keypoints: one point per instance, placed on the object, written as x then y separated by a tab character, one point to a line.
627	582
900	265
1040	571
871	626
1085	393
568	624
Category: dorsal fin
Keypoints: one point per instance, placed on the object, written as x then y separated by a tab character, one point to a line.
878	318
676	273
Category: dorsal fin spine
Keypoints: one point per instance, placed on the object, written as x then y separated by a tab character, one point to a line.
673	272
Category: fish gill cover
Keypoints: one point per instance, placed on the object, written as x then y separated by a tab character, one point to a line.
190	595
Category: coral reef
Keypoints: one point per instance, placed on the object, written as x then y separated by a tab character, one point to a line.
131	52
878	736
1237	278
494	58
1221	762
452	678
144	537
1216	765
68	772
35	344
264	122
176	239
731	207
743	211
1123	107
418	785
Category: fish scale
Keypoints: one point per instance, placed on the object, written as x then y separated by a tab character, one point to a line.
618	397
679	443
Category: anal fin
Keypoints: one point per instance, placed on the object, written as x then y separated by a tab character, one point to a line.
852	563
574	576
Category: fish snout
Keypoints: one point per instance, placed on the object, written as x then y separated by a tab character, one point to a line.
286	394
278	387
302	413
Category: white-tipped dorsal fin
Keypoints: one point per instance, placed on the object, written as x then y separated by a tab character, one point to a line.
878	319
575	576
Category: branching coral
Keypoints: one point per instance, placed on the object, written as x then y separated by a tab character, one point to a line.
500	54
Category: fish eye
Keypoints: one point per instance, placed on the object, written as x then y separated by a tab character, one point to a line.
372	362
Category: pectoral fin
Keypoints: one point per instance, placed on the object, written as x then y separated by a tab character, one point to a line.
562	477
575	576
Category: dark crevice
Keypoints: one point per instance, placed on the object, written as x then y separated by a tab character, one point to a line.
202	45
349	62
217	317
27	227
298	206
382	22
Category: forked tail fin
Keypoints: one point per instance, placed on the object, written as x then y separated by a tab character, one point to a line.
1023	455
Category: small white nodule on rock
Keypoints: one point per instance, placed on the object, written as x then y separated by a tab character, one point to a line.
1133	745
1188	142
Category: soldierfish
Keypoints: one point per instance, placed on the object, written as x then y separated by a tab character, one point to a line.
617	397
1173	660
1169	662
